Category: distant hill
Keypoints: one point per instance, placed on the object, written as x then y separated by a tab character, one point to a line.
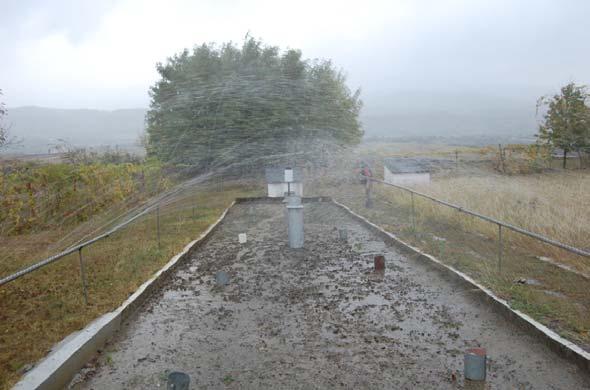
431	123
39	128
460	114
389	115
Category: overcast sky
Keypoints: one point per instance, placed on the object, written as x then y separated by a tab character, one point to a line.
102	54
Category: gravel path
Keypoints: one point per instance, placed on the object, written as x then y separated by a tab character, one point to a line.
317	318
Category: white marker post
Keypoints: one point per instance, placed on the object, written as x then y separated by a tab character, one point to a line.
288	179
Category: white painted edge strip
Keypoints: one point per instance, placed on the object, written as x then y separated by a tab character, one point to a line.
63	356
542	328
563	267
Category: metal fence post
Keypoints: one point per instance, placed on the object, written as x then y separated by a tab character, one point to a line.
158	224
499	248
413	214
368	200
83	276
194	210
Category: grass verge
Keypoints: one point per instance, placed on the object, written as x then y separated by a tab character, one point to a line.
40	309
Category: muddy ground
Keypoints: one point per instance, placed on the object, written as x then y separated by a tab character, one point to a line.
317	318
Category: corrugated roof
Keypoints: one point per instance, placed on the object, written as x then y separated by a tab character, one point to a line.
407	165
277	175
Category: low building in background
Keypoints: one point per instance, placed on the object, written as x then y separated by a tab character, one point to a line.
406	171
277	187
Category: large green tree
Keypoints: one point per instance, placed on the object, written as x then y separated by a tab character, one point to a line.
566	123
217	105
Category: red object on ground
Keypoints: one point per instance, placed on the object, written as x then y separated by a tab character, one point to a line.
379	263
477	351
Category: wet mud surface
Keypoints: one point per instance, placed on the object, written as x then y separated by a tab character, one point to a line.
318	317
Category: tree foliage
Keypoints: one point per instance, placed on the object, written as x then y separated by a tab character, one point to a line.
566	123
217	105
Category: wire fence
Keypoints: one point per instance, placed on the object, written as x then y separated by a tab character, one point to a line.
153	206
501	225
167	199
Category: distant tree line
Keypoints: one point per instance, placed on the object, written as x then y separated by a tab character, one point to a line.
566	122
217	105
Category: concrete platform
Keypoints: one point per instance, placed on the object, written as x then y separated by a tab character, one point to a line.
317	318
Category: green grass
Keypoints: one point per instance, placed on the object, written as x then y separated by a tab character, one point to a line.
40	309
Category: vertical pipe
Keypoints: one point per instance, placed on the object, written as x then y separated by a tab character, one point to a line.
499	248
413	214
158	224
83	276
295	222
368	200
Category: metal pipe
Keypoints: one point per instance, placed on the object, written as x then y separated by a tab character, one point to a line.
158	224
499	248
474	364
539	237
83	276
295	222
368	200
413	214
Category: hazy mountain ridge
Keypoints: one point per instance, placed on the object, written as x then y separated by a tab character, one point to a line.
447	114
398	115
447	124
40	127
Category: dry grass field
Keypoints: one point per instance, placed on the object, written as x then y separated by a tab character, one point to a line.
554	204
40	309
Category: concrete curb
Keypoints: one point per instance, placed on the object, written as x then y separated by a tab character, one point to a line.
72	353
558	344
69	356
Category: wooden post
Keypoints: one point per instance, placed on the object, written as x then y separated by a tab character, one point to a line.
501	151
